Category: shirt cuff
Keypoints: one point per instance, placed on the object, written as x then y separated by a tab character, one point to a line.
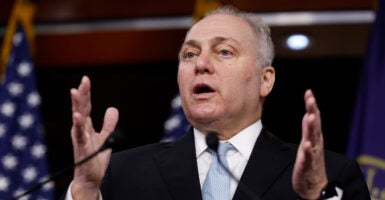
340	192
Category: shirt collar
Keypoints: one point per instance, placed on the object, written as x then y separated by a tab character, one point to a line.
243	141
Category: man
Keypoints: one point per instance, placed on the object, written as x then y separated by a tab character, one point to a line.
224	76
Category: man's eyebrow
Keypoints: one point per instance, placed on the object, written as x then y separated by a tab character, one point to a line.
192	43
220	39
215	41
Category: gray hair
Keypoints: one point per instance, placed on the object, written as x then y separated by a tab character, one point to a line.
264	46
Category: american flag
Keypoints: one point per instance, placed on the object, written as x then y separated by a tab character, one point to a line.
176	125
23	152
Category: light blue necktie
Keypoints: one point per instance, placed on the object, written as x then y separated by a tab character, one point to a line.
217	183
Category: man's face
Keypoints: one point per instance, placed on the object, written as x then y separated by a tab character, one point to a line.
219	79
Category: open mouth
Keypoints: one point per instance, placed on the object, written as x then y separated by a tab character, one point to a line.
202	88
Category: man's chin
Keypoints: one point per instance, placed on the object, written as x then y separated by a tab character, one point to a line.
205	120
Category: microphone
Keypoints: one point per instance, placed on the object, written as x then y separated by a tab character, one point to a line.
213	143
111	142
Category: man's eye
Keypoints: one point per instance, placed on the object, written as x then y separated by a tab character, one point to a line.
189	55
225	53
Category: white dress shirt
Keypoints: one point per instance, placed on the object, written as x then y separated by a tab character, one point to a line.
236	158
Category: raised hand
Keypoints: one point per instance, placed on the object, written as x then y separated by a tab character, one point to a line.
309	175
85	141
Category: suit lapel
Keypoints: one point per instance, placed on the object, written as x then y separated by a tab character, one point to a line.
269	158
178	168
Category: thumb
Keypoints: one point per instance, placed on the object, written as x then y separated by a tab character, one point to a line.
110	120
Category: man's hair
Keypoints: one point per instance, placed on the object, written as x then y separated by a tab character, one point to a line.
264	46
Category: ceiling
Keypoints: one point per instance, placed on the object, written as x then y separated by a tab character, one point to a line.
75	10
67	29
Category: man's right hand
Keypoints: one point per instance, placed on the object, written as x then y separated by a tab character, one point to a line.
85	141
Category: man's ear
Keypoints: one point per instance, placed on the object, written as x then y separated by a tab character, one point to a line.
267	80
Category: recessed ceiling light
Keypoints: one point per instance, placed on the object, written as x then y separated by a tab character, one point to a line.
297	42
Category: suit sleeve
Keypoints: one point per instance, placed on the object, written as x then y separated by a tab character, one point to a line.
353	183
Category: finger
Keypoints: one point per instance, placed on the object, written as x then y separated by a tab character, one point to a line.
304	157
81	97
110	120
82	129
310	102
85	93
308	127
311	123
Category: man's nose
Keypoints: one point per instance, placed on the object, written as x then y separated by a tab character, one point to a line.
204	65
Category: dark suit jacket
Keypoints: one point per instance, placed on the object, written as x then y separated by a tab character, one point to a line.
169	171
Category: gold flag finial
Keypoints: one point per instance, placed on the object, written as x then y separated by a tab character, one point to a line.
22	12
204	6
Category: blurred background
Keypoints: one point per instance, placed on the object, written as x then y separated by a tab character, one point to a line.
129	50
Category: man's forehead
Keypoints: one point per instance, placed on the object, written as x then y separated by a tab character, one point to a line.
219	25
220	22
